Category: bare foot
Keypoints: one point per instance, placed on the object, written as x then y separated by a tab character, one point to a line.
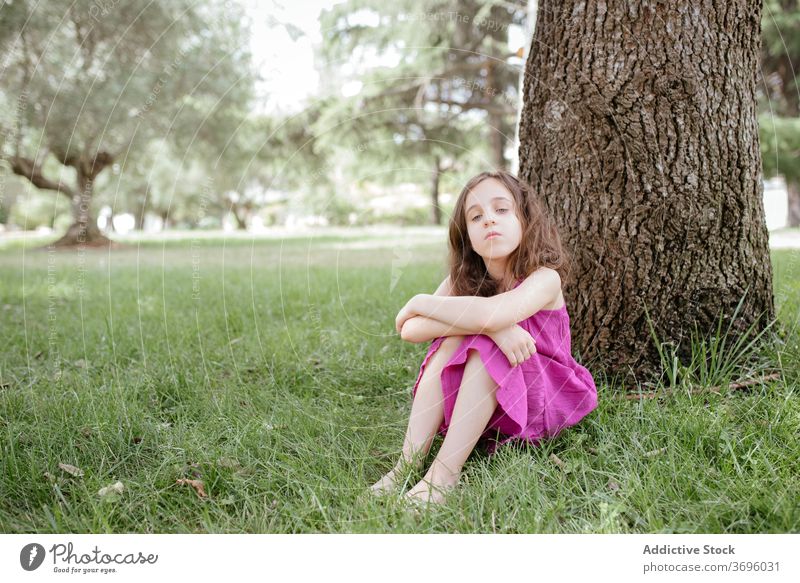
433	488
386	485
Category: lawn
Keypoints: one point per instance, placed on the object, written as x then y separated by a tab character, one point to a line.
269	373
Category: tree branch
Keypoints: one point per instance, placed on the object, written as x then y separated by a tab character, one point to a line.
26	168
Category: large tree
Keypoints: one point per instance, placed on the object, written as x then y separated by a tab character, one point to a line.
639	132
89	82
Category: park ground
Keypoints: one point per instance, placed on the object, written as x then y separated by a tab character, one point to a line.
246	384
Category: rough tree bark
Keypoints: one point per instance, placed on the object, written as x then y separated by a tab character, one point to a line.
639	132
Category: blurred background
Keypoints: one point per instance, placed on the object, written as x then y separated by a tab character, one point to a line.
259	117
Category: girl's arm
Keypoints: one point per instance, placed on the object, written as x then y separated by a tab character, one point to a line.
424	329
486	315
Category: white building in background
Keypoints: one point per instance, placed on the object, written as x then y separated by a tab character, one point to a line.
776	203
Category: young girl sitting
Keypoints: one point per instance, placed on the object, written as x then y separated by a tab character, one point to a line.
500	360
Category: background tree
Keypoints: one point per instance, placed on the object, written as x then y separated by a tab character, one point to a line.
454	67
374	142
93	81
639	132
266	155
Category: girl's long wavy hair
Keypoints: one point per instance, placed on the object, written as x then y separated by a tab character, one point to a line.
540	244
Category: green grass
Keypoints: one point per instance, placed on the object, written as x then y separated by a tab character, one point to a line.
271	371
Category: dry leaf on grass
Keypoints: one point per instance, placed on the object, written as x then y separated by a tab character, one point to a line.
196	484
557	461
75	471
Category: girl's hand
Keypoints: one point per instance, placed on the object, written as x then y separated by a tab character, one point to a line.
407	312
515	342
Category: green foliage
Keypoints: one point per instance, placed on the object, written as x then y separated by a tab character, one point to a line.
780	56
780	146
452	80
99	81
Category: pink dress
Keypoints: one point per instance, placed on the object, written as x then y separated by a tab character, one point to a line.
536	399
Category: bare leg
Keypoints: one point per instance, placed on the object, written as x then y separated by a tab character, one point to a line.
474	407
427	414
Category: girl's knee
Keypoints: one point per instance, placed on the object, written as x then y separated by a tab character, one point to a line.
453	341
474	362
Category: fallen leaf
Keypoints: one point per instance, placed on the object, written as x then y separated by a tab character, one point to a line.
73	470
116	488
196	484
655	452
612	485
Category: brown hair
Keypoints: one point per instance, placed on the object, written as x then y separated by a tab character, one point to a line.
540	244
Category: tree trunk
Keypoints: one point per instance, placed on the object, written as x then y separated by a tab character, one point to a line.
436	210
141	213
84	230
793	195
496	137
241	221
164	220
639	133
110	222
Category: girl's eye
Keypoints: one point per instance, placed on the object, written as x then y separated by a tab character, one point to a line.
501	210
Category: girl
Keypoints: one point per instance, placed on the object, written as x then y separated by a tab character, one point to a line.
500	360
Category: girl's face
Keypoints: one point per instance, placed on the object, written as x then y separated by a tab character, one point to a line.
490	209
